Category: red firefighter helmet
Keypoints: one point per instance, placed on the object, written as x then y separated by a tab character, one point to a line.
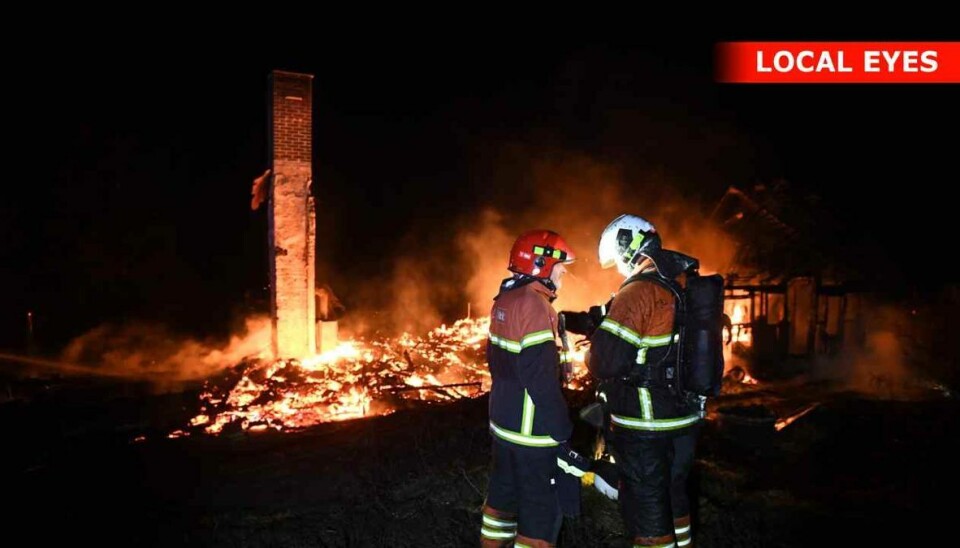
536	251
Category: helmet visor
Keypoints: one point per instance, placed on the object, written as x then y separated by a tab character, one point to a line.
558	254
607	250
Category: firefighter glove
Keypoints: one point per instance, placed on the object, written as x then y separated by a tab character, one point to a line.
585	323
581	323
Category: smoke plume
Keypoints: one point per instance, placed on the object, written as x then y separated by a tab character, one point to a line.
577	197
149	352
875	361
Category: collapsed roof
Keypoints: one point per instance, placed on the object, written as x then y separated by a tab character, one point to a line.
776	235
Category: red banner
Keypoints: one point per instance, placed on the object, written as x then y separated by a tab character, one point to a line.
838	62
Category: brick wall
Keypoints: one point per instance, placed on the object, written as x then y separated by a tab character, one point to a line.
291	215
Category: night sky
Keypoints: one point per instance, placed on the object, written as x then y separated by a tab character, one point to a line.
131	180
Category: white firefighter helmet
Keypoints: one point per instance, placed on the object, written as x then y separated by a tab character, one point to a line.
625	240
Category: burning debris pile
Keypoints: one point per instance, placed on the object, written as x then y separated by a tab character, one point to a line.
357	379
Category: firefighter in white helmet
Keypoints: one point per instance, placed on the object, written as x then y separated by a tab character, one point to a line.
650	427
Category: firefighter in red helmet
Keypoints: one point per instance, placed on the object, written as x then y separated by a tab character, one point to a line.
529	419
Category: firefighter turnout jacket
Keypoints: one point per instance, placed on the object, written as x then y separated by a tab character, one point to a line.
633	355
526	403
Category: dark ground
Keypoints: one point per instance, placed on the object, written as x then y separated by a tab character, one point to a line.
856	470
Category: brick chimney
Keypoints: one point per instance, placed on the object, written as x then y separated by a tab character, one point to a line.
291	215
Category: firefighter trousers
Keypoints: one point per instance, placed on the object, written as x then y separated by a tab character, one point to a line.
523	487
653	495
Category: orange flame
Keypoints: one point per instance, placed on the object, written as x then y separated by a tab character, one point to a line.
740	322
356	379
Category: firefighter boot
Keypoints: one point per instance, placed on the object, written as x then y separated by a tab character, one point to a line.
681	527
499	529
665	541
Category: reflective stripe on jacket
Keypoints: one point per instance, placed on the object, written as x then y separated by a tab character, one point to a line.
632	353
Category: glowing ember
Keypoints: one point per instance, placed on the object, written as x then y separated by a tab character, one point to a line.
356	379
783	423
